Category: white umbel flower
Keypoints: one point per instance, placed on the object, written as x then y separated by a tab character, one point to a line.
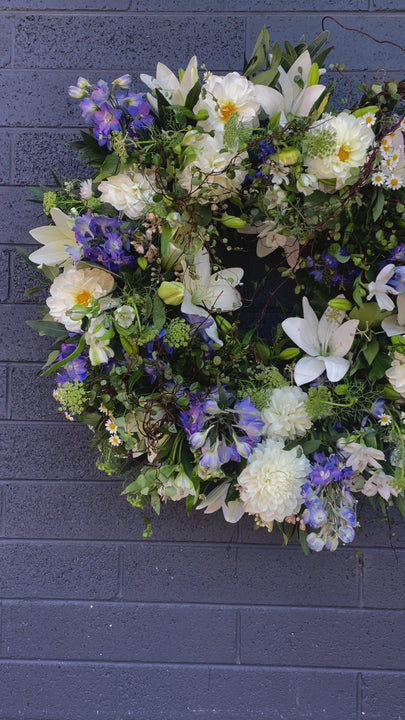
77	287
352	141
286	416
130	194
270	484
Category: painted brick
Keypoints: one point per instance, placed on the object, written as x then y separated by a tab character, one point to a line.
237	694
50	41
39	153
5	158
19	342
383	696
386	5
98	5
375	531
357	51
57	692
58	570
254	6
19	215
44	452
384	578
31	396
273	636
6	30
23	277
3	391
96	510
4	274
236	575
118	632
40	98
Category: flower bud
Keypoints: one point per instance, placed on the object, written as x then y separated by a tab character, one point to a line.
172	293
313	75
232	221
340	303
288	156
289	353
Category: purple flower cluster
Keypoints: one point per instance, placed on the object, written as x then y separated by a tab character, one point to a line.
328	469
330	510
331	270
73	370
116	110
104	241
221	434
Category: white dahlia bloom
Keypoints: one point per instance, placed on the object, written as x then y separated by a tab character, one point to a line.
130	194
211	161
286	415
352	141
77	287
270	484
224	96
396	373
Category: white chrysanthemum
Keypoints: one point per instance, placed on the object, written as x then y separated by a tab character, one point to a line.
77	287
270	484
396	373
286	416
130	194
212	161
228	95
352	140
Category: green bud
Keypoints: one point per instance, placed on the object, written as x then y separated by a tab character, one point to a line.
340	303
365	110
288	156
172	293
340	389
289	353
232	221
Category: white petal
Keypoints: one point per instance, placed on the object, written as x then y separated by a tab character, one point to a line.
214	499
304	102
401	308
53	253
308	369
302	62
304	331
342	339
270	99
233	511
336	367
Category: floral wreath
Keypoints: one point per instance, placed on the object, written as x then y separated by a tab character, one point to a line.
294	420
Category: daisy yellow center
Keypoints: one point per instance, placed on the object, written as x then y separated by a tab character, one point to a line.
226	110
343	153
83	298
393	182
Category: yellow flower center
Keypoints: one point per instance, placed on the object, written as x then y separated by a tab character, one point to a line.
344	153
83	298
393	182
226	110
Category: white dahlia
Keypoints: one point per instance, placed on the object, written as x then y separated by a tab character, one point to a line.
286	415
396	373
130	194
77	288
352	139
230	95
270	484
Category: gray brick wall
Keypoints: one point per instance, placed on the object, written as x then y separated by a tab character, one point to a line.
204	620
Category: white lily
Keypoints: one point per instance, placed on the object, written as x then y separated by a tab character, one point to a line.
295	98
359	456
54	238
379	482
326	342
380	288
205	293
395	324
215	500
175	90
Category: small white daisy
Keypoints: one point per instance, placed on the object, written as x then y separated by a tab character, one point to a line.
394	182
403	417
114	440
385	420
111	427
378	178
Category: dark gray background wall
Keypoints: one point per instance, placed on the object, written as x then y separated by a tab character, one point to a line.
204	620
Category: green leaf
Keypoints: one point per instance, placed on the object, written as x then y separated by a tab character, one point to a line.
110	166
267	77
69	358
399	503
47	327
159	314
379	367
165	238
302	536
193	95
369	315
370	350
378	205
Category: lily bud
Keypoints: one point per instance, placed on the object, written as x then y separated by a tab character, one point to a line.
313	75
232	221
289	353
172	293
340	303
288	156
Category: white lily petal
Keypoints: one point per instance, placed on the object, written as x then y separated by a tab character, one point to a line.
307	98
233	510
270	99
328	324
401	309
392	327
287	88
300	333
214	499
342	338
336	367
301	67
53	253
308	369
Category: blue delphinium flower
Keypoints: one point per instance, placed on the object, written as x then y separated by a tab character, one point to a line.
73	370
105	241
